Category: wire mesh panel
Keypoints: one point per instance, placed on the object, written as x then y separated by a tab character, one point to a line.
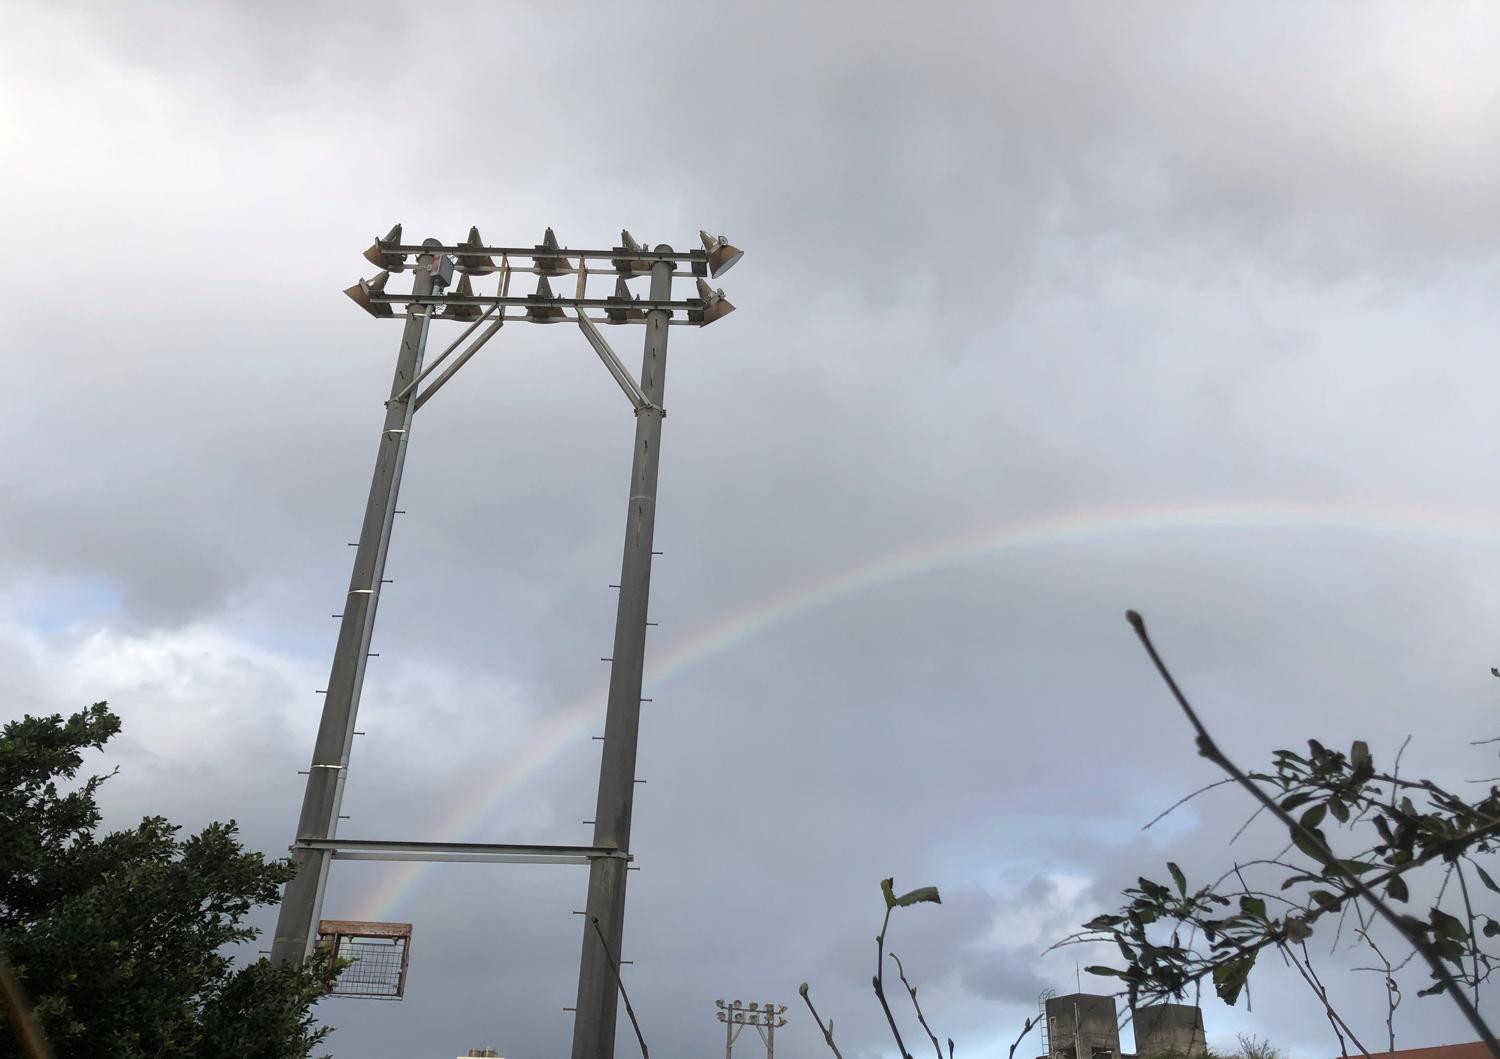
378	952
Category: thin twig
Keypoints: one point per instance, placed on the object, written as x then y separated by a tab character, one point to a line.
1248	820
1159	817
920	1017
1463	888
1396	766
879	982
610	959
828	1030
1313	843
1310	976
1334	1018
1392	989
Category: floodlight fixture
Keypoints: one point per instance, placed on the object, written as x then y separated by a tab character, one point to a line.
361	293
623	307
475	264
625	264
544	264
383	255
540	309
459	310
714	305
721	255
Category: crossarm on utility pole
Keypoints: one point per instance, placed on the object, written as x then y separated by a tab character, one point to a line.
612	363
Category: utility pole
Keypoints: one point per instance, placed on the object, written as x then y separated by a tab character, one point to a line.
434	263
736	1016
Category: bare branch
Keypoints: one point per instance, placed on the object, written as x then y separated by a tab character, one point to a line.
1463	887
1392	989
1340	1027
920	1017
826	1030
879	983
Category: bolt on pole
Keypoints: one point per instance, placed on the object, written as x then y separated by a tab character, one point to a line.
594	1026
302	902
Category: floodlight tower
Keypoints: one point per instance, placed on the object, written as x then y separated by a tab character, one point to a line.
433	265
736	1016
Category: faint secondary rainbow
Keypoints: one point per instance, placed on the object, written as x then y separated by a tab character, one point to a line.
575	723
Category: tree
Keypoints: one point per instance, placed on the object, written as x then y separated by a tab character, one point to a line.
1400	872
124	941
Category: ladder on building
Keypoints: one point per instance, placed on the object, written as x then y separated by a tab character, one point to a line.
1041	1018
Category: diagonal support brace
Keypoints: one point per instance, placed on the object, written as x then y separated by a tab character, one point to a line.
463	358
633	392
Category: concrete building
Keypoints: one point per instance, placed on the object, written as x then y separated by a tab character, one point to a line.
1087	1026
1169	1030
1082	1026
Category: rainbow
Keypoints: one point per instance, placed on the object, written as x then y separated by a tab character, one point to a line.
574	724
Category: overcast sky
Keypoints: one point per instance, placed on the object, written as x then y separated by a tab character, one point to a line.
1046	311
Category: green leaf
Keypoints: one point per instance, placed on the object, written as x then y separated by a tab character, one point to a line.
1311	842
1396	890
1484	877
1253	906
1447	925
1314	816
921	894
1230	978
890	894
1102	972
1359	754
1178	878
1326	900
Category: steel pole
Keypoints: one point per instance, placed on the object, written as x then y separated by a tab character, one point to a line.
302	901
594	1025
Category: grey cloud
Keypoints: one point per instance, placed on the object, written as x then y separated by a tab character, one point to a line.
1003	263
